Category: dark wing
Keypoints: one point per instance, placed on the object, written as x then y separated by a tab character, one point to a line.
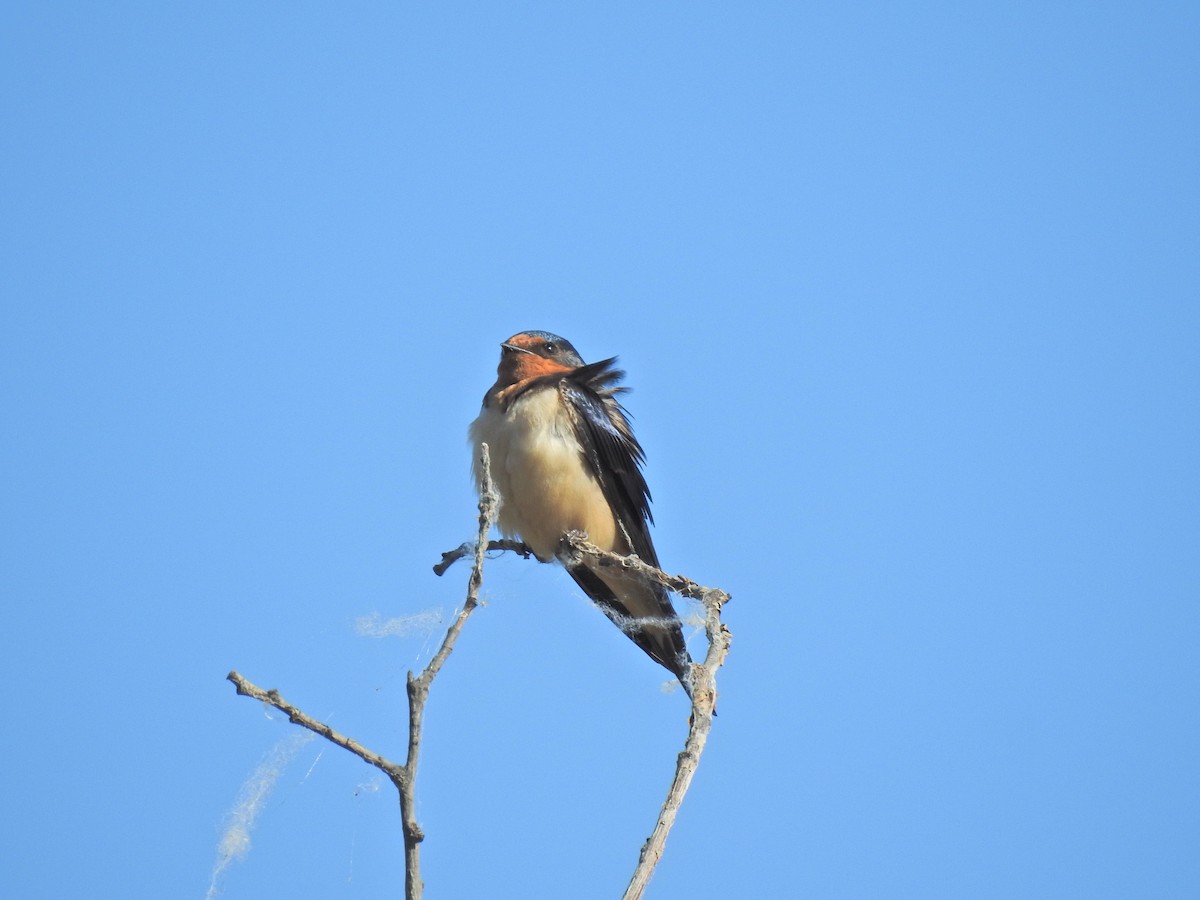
643	611
612	452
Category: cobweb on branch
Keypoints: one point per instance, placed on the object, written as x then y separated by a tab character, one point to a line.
376	626
239	822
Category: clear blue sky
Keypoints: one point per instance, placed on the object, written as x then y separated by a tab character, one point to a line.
910	299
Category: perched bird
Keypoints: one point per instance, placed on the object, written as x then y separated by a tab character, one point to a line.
564	458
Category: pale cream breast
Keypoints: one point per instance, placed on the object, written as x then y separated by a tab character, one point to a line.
545	485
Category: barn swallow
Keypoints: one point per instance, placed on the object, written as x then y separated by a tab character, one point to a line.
564	458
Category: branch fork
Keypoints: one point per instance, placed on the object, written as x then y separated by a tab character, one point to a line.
574	547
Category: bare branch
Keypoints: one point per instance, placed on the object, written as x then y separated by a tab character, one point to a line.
450	557
704	692
704	701
418	688
246	688
574	547
404	776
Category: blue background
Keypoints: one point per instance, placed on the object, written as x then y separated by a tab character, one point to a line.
909	299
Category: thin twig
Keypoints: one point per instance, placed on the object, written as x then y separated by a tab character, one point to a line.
578	542
704	700
704	695
574	547
404	777
247	688
418	688
450	557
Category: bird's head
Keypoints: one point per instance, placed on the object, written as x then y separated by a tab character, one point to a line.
533	353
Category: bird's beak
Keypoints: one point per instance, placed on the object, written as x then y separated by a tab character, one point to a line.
513	347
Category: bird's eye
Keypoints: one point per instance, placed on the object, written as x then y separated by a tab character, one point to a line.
550	347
